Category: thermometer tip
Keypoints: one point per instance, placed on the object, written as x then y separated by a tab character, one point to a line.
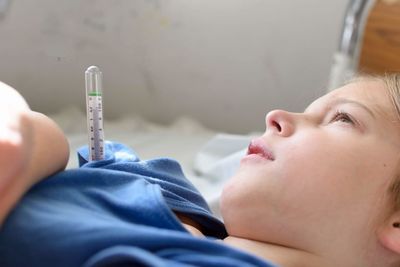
93	69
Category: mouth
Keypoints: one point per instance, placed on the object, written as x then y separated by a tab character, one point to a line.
257	147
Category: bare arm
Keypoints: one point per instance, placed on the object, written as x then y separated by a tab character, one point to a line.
32	147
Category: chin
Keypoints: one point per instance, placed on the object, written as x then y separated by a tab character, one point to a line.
232	201
227	199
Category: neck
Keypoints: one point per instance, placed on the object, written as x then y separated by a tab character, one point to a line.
279	255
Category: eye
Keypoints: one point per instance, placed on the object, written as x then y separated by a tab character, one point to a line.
341	116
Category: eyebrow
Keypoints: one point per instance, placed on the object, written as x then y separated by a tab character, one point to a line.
340	100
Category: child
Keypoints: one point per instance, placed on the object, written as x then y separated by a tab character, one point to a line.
318	188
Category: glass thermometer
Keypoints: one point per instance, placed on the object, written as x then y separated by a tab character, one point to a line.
93	78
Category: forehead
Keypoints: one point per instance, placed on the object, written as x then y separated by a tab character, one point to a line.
372	94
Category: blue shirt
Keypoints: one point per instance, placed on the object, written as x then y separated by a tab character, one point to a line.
115	212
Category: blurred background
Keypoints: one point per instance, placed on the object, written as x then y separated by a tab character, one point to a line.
223	63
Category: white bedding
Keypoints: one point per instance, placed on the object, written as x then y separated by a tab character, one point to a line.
208	158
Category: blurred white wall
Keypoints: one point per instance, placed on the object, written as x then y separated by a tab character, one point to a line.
222	62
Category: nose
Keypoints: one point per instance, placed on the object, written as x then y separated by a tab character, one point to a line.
280	122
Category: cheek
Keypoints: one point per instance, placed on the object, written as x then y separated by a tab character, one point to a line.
313	171
318	158
335	174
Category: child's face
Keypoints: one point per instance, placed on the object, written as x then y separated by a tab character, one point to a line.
326	187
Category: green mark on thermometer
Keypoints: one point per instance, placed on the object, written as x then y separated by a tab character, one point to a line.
95	93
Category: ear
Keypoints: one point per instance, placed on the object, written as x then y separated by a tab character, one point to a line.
389	234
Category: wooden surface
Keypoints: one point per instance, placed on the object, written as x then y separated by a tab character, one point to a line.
380	51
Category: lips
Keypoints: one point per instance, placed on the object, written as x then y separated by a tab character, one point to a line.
257	147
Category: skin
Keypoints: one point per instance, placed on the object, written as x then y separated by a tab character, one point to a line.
323	199
32	147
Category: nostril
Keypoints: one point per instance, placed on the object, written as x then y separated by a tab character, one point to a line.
279	122
277	126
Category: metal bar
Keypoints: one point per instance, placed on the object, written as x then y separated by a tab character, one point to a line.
354	25
345	62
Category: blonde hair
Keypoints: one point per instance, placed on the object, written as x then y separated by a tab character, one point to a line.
392	84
